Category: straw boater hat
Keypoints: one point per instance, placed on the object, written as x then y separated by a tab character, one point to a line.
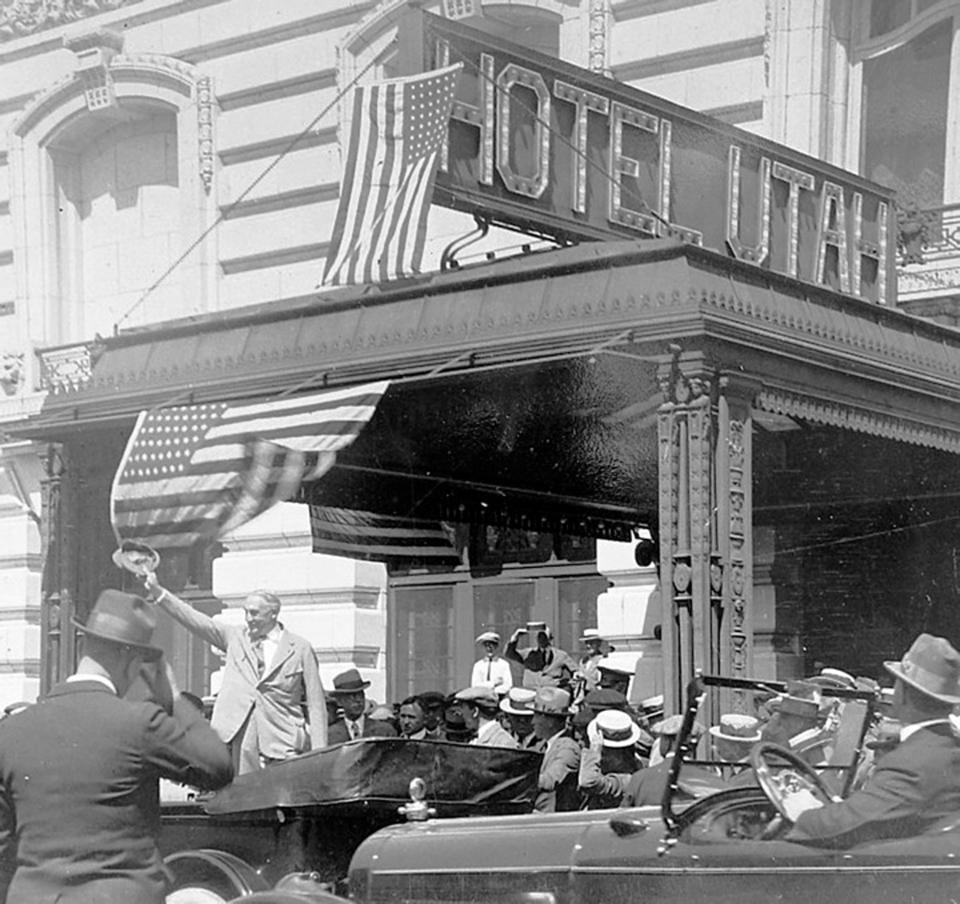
124	619
349	682
488	637
834	678
931	666
519	701
617	729
652	708
737	727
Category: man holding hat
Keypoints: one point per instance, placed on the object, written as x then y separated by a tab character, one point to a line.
561	755
543	665
492	670
349	690
79	770
479	707
917	783
595	649
269	676
610	759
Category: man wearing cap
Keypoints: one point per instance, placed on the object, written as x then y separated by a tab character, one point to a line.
479	707
609	760
543	665
614	679
270	676
518	707
434	706
349	690
917	783
492	670
559	768
79	770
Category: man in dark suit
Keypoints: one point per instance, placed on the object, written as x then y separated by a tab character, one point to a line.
270	675
79	770
917	783
348	688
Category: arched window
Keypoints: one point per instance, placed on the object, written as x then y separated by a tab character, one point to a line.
113	175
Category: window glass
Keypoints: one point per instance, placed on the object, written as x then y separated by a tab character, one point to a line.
422	635
577	599
905	116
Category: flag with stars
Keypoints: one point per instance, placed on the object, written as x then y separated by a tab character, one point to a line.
193	472
396	133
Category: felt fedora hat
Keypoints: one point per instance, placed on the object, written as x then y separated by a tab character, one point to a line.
931	666
124	619
349	682
552	701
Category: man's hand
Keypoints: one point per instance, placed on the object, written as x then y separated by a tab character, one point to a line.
798	802
517	634
159	683
594	736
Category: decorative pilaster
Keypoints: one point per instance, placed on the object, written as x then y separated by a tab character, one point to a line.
598	37
55	598
735	529
687	522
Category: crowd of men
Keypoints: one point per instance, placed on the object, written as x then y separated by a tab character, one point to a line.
80	769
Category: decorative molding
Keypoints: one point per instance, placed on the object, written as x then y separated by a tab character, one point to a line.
598	36
282	144
315	251
307	83
11	372
204	92
636	9
874	423
7	308
27	17
67	368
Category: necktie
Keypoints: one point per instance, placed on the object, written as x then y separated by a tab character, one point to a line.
354	730
489	666
258	652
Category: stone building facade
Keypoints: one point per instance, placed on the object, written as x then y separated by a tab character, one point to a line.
162	159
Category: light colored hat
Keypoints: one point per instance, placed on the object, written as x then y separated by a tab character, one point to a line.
488	636
836	678
790	705
652	707
617	728
590	634
519	701
484	697
737	727
382	713
552	701
931	666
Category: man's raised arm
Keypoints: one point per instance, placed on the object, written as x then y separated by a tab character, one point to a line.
198	623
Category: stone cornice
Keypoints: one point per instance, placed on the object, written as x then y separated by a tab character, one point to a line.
876	423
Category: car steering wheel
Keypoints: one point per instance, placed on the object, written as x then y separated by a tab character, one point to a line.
779	782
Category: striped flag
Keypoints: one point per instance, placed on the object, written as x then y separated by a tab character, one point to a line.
396	133
381	538
200	471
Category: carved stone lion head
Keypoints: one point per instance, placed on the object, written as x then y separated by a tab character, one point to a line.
11	371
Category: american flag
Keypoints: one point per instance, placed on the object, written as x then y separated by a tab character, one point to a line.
381	538
396	133
200	471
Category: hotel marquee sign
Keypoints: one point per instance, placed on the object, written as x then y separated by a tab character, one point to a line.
553	149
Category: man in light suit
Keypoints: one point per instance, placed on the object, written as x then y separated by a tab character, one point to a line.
79	770
348	689
915	785
269	676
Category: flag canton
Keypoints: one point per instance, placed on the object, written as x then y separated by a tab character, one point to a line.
428	107
167	440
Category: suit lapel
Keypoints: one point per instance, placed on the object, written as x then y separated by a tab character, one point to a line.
249	655
285	649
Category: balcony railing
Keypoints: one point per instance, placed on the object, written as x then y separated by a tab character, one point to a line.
928	263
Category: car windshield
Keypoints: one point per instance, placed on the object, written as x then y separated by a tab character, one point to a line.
834	749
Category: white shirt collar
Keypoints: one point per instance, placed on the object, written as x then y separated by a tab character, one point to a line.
89	676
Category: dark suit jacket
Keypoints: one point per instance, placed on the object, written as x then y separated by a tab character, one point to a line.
79	800
912	787
338	732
